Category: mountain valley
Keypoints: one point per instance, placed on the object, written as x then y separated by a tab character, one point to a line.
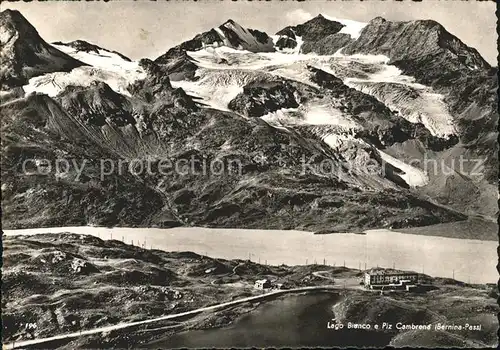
323	125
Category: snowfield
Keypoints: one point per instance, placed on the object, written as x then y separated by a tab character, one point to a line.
415	102
336	141
105	66
223	72
370	74
216	88
210	57
104	59
318	113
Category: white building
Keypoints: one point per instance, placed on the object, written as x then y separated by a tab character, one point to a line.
381	276
262	284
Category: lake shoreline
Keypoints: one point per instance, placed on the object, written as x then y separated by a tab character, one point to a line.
383	248
437	230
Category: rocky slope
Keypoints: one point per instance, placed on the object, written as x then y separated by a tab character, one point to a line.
321	35
303	141
66	282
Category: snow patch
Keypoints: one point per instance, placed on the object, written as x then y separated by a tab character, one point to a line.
222	36
366	58
351	27
281	117
336	140
315	114
322	114
413	176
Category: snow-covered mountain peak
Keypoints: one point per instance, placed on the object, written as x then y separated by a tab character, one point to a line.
24	54
236	36
85	46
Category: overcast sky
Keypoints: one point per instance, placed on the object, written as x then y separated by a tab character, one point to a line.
147	29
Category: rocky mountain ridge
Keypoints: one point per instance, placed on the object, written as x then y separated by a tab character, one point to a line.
282	108
25	54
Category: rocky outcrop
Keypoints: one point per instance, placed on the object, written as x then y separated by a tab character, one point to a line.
96	105
286	42
234	35
257	100
24	54
319	35
177	63
313	30
414	40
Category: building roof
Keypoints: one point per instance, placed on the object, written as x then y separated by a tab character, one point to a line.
388	272
262	281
